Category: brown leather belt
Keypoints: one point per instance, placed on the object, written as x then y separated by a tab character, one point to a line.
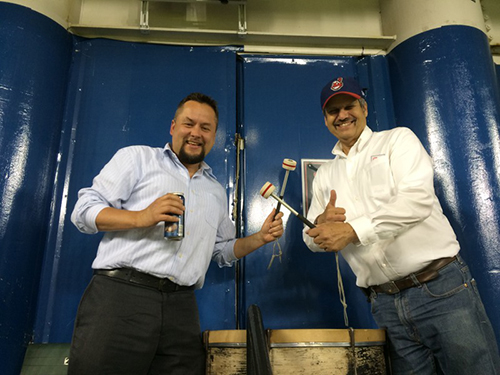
144	279
430	272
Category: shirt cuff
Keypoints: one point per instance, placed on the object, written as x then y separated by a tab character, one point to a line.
228	257
364	230
309	241
90	216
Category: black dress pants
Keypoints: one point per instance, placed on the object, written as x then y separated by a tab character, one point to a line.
127	329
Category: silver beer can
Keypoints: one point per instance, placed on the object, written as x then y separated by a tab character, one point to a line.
174	230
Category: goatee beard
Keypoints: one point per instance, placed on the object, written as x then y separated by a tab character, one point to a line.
185	158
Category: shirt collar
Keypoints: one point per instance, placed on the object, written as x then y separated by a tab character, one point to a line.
363	139
204	167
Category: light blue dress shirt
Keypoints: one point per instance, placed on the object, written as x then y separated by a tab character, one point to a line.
132	180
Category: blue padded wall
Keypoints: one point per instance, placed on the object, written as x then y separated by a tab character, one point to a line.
450	98
34	62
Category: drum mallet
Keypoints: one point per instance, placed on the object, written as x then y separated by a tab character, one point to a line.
268	191
288	165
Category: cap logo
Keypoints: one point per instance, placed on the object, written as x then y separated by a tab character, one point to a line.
337	84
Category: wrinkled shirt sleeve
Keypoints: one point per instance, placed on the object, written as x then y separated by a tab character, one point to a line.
112	186
224	246
223	253
413	195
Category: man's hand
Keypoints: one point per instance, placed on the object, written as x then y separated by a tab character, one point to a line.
333	236
331	213
272	227
162	209
270	231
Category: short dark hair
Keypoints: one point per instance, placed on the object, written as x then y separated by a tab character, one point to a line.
200	98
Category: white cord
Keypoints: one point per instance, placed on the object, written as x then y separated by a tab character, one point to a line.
275	254
341	290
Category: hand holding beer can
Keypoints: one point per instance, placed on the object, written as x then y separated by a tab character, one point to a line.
174	230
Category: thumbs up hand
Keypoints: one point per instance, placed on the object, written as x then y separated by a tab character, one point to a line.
332	213
331	232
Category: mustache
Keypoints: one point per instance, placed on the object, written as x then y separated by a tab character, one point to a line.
344	121
195	140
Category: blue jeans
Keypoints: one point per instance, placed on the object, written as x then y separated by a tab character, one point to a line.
439	327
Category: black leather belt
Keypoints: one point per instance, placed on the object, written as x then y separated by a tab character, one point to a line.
430	272
144	279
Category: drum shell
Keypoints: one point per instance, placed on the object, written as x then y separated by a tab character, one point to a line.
302	351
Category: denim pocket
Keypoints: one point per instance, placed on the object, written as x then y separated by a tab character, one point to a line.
373	305
452	279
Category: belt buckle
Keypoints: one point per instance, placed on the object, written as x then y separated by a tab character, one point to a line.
389	288
161	285
167	286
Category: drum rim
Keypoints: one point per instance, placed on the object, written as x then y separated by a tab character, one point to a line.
325	344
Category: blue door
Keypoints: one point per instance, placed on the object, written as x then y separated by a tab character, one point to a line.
281	119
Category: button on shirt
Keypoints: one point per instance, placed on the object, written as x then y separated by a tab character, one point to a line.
132	180
386	186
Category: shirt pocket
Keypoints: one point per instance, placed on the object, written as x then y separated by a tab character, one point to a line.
212	211
380	182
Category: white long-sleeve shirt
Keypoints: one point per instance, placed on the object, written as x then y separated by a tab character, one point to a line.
386	186
132	180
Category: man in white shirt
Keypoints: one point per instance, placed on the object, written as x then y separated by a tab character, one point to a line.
375	202
139	314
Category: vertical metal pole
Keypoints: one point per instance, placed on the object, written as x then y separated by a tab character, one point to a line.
242	20
144	18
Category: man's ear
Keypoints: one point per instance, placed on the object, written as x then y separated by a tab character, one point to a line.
172	126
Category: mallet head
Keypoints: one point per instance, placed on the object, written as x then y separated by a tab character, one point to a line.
289	164
267	190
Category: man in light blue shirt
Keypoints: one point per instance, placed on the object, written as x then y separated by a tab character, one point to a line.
139	313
